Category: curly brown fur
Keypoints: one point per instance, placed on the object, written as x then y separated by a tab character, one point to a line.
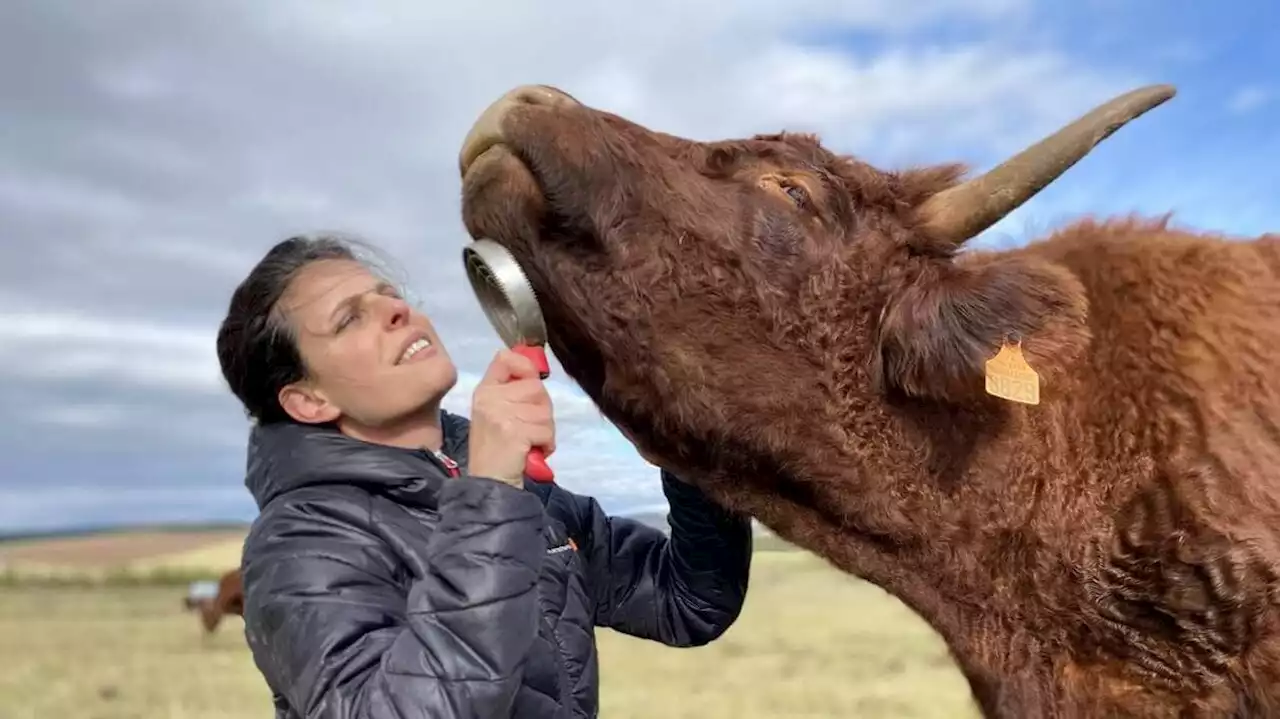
815	359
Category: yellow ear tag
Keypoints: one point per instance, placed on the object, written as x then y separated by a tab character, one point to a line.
1010	377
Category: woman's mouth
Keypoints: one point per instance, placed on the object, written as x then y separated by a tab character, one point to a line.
415	349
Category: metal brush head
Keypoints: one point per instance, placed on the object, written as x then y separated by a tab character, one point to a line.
504	293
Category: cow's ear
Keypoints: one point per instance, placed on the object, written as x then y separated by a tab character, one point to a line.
936	334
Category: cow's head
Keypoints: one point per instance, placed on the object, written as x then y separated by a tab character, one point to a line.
715	288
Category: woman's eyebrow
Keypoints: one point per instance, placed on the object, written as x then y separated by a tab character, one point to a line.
347	303
351	301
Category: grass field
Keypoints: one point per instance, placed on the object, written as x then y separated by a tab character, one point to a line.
811	643
132	553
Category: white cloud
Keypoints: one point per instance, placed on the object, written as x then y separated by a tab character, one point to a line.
54	195
54	346
81	416
1248	99
54	506
910	100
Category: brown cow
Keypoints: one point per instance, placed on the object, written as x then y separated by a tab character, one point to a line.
229	599
800	334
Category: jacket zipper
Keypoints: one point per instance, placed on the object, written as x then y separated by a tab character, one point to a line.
562	671
450	466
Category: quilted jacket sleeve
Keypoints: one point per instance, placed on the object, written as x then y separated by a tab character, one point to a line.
332	630
683	591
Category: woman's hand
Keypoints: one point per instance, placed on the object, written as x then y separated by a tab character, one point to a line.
510	414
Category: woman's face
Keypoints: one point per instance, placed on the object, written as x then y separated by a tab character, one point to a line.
371	359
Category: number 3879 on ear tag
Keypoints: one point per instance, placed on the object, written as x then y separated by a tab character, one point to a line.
1009	376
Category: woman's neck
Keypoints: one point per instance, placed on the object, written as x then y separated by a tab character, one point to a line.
421	430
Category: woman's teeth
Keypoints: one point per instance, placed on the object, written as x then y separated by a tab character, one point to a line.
415	348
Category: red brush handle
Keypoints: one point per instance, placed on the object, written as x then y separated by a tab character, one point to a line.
535	465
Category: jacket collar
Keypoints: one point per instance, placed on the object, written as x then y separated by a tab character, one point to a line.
286	456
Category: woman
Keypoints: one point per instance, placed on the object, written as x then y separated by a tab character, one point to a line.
400	565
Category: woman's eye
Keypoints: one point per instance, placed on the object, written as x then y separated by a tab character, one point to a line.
345	321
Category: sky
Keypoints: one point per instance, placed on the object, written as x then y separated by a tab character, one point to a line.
152	151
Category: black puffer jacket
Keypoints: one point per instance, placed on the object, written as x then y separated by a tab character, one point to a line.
378	586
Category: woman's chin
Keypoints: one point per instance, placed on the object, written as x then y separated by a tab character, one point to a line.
430	379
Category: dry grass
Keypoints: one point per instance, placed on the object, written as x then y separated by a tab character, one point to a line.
123	551
120	653
811	643
215	556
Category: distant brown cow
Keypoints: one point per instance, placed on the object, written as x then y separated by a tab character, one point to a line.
800	334
229	599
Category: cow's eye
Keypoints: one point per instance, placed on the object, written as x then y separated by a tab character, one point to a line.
797	193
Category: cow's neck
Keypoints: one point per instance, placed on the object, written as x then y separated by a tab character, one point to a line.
928	518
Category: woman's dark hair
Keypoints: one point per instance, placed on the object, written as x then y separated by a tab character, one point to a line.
256	346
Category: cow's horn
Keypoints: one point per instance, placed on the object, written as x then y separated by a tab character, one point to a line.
965	210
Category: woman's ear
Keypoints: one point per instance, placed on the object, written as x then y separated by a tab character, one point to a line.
936	334
307	404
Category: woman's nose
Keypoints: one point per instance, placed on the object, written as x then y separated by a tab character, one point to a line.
395	313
